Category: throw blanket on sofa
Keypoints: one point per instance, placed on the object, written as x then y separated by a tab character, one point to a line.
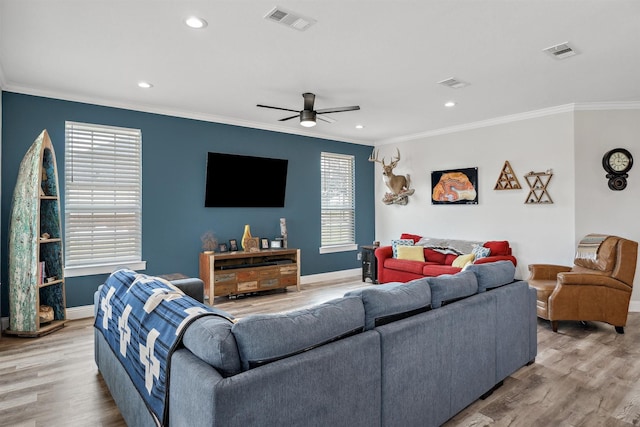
589	246
143	319
448	246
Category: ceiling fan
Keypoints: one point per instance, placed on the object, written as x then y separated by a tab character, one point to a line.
308	115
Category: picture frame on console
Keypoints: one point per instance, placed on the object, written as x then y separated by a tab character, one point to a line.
233	245
223	247
264	243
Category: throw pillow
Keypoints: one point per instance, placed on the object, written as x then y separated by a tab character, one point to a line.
411	253
413	237
463	260
400	242
480	251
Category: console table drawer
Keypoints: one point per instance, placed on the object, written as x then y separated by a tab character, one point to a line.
225	277
248	286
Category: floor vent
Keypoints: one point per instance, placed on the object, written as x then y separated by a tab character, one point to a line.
560	51
454	83
290	19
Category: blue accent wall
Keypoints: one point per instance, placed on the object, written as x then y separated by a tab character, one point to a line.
174	155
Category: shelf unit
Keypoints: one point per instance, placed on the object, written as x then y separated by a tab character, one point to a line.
234	273
35	241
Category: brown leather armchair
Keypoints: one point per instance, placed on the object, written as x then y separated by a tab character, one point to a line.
596	288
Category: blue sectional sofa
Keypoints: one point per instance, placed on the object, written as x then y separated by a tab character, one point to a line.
398	354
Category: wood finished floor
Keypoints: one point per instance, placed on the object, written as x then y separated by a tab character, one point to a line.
585	375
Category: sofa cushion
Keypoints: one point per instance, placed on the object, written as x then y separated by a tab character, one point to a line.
493	274
210	339
411	253
480	251
413	237
415	267
400	242
432	270
434	256
393	301
498	247
266	338
463	260
452	287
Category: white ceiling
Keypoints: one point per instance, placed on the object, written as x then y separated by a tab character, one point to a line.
385	56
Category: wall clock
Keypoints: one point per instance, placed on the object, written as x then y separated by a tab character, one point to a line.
617	163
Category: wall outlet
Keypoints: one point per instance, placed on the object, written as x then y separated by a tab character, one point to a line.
359	256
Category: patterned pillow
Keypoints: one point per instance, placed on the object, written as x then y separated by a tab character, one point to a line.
400	242
480	251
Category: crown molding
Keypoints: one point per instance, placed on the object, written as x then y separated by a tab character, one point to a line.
175	113
481	124
566	108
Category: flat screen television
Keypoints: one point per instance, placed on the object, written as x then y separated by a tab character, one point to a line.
237	181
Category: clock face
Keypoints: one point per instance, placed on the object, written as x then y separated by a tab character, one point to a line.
618	161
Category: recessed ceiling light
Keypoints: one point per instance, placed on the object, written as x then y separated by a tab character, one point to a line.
450	104
145	85
359	127
195	22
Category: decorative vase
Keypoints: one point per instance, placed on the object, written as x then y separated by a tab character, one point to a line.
246	236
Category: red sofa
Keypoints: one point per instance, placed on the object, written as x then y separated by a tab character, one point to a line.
391	269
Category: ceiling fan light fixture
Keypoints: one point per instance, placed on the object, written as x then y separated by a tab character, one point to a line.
308	118
195	22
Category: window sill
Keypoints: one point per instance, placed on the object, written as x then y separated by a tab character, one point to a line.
90	270
338	248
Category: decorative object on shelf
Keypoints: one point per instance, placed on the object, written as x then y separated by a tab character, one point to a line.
276	244
454	187
233	245
398	184
252	244
617	163
209	241
264	243
245	236
507	179
538	182
222	247
283	232
45	313
35	245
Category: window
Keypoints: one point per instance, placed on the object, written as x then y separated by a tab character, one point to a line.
103	199
337	175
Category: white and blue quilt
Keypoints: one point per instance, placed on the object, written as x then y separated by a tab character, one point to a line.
143	319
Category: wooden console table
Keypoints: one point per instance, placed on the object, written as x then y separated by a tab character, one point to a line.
233	273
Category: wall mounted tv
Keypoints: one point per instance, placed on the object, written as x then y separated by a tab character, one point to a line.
256	182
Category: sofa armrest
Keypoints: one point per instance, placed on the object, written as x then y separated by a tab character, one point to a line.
382	253
546	271
586	279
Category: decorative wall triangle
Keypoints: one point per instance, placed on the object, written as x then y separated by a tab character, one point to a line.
507	179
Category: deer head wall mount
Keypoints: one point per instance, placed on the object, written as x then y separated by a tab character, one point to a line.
397	184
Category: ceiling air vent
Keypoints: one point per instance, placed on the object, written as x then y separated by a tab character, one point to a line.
560	51
454	83
290	19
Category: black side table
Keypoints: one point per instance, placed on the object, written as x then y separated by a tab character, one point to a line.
369	264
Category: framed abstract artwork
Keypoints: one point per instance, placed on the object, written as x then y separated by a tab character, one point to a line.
454	187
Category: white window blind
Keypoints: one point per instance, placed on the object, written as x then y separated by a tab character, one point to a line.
103	197
338	201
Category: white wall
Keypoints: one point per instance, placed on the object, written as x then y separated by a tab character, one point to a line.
537	233
599	209
570	143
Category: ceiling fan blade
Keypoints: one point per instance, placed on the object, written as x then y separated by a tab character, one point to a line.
326	119
309	99
289	118
277	108
337	109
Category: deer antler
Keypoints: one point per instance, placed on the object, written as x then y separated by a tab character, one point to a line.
396	159
375	159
